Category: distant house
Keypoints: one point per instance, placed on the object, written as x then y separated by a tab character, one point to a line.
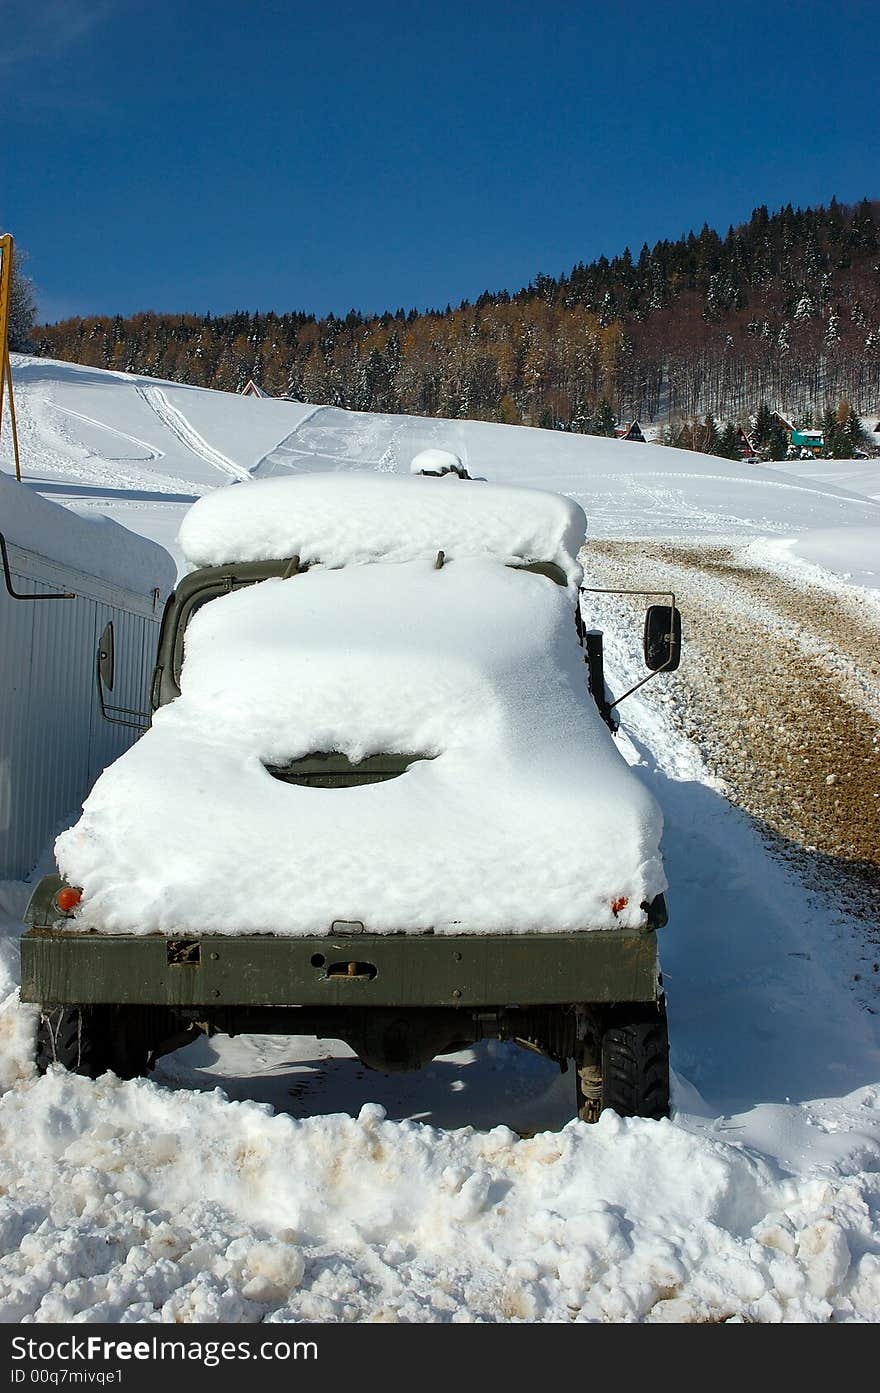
631	432
250	389
782	421
812	440
745	444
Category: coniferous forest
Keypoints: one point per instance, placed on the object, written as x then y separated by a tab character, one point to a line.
784	308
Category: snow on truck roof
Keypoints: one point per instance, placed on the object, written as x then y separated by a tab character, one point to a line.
350	518
516	812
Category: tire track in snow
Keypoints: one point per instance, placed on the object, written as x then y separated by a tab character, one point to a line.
175	421
154	453
275	462
358	440
360	431
51	452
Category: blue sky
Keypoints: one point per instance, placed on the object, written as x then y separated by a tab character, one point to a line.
267	155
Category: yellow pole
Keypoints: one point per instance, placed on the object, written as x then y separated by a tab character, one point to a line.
12	414
5	365
2	381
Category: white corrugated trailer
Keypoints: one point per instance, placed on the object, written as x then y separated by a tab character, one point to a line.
54	740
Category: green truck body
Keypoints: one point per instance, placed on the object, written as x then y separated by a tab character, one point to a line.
120	1000
340	969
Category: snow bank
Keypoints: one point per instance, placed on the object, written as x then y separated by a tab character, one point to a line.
853	553
17	1022
521	816
128	1202
857	476
99	546
344	519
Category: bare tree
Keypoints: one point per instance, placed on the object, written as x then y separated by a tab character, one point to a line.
22	307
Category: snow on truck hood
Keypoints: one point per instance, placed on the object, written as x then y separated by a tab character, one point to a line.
517	813
348	519
521	816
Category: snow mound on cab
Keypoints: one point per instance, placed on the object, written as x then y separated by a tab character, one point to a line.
519	814
434	461
350	519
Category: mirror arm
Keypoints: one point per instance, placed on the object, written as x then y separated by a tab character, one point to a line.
116	714
655	673
601	590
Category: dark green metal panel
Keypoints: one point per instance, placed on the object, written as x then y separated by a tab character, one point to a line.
389	969
335	770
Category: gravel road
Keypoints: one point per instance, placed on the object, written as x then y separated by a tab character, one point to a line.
780	687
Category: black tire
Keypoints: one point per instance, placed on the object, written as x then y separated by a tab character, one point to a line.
90	1040
635	1064
634	1054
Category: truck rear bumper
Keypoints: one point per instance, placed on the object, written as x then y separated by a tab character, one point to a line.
465	970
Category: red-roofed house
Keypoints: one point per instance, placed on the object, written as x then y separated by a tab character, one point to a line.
780	420
250	389
744	444
631	432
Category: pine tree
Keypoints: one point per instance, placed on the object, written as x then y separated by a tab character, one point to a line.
728	448
605	418
840	445
829	432
711	439
855	431
777	445
763	425
672	435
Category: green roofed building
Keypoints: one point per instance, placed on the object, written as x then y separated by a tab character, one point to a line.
808	439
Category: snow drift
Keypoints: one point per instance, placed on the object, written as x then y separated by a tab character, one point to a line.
97	545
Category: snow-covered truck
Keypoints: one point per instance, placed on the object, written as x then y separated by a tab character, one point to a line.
379	801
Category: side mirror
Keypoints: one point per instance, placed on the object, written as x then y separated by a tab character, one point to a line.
105	657
104	672
662	638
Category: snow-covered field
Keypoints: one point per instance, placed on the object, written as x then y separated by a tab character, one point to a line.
311	1188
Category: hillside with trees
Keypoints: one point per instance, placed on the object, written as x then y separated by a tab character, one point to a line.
784	308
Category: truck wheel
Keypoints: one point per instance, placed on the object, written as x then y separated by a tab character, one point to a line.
633	1076
90	1040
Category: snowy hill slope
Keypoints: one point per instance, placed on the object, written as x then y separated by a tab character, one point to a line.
143	449
759	1200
